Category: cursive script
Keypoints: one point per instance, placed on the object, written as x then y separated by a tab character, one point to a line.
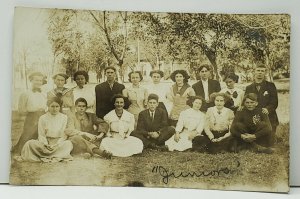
166	174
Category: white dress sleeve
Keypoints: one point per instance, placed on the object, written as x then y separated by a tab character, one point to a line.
180	123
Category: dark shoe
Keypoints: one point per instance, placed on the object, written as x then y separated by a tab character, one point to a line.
152	146
162	148
105	154
262	149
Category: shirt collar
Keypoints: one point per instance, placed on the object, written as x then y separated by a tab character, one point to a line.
204	81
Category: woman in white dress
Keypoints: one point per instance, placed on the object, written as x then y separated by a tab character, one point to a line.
136	94
52	144
190	125
84	90
158	88
121	124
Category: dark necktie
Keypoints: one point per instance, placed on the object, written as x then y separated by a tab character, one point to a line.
152	116
234	94
219	112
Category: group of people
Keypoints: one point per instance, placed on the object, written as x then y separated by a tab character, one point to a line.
114	120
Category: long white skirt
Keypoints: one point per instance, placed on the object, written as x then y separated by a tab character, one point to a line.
122	147
183	144
35	151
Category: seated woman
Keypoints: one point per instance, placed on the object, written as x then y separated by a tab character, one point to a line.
251	127
218	122
51	145
85	131
65	94
190	125
121	124
178	94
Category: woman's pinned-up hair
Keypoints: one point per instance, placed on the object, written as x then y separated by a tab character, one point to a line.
225	96
132	72
81	72
54	99
191	100
183	73
81	99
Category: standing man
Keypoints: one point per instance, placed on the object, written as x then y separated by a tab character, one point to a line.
267	97
105	91
205	86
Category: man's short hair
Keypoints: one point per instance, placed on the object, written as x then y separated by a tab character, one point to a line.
81	99
153	96
110	67
204	66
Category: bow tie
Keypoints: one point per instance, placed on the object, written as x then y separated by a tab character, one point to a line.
36	90
234	94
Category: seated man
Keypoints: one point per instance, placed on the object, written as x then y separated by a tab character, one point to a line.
85	131
251	127
152	125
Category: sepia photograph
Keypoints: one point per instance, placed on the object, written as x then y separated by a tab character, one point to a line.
145	99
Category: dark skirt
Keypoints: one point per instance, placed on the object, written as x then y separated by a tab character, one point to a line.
204	144
30	130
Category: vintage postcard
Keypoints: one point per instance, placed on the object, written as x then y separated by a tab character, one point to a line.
183	100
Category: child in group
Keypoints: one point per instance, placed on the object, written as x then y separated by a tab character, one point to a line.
251	127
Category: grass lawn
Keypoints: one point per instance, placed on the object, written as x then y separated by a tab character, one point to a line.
242	171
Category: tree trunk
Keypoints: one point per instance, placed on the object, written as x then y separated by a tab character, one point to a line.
212	58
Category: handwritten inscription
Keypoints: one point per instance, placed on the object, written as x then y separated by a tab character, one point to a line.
166	174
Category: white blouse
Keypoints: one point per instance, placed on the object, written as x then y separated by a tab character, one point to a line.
219	121
138	94
52	126
30	101
238	99
88	93
122	125
191	120
158	89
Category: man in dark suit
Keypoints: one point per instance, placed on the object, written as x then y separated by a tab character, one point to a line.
267	97
152	125
105	91
205	86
